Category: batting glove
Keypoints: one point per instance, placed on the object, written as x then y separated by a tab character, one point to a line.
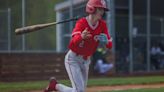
103	40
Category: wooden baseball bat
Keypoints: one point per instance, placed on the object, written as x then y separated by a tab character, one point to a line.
37	27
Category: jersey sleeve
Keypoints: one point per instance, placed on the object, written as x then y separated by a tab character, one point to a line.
109	44
76	33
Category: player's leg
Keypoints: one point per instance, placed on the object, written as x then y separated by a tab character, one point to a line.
74	73
98	65
106	67
85	71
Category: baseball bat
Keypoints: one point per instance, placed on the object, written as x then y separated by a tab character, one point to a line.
37	27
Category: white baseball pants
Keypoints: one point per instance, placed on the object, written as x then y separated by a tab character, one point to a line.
77	69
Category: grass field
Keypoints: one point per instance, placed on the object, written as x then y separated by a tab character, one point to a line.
39	85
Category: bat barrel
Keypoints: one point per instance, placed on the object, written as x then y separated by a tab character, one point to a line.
33	28
20	31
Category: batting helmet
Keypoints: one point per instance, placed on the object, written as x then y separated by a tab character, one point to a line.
93	4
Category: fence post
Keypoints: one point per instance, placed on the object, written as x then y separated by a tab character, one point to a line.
0	68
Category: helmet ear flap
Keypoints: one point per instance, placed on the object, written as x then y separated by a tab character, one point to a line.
90	9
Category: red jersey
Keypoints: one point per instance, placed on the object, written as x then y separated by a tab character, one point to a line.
88	46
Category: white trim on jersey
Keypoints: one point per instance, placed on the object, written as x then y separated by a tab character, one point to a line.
76	33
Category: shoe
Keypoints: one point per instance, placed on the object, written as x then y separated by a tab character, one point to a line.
52	85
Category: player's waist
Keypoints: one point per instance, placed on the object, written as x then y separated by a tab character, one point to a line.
85	57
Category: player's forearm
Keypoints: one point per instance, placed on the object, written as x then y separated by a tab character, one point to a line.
109	44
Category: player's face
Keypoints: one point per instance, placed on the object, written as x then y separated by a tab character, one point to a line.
99	13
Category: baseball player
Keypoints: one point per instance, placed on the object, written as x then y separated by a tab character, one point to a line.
87	34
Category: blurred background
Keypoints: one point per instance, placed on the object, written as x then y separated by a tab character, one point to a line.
137	28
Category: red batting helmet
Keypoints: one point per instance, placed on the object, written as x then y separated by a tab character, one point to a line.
92	4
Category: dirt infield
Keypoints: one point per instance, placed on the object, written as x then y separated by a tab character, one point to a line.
120	87
123	87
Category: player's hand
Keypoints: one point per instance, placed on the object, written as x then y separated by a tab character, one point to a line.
86	34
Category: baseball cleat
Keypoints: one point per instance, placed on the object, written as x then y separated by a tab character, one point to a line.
52	85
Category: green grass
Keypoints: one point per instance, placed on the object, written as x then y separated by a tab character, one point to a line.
126	80
21	86
39	85
140	90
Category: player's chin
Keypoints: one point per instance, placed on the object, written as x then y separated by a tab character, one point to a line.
99	16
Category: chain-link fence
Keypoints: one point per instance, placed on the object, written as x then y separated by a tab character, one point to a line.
24	13
5	30
135	30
